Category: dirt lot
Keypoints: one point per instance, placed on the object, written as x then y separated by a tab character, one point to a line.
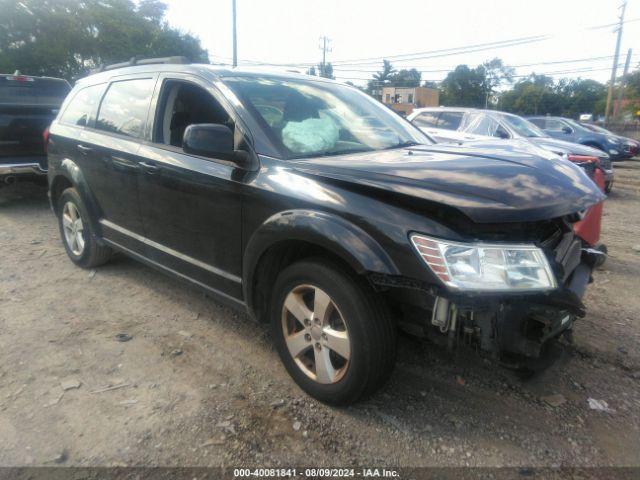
198	384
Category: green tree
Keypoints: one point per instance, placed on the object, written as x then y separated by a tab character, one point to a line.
66	38
380	79
325	70
405	78
583	96
464	87
495	73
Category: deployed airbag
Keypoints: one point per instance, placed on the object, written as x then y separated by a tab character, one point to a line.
310	135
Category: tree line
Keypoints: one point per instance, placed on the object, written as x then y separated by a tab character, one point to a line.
68	38
483	87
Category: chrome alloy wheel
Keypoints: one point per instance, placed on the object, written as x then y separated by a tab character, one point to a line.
316	334
73	228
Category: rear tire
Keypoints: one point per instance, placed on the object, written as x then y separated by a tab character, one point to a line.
78	237
343	338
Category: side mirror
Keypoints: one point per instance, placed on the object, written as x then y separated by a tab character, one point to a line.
500	133
209	140
566	130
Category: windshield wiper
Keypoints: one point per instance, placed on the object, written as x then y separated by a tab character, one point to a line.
408	143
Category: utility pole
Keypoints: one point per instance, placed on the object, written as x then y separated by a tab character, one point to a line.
616	111
324	46
235	39
615	63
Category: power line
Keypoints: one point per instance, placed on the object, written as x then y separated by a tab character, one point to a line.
449	69
437	53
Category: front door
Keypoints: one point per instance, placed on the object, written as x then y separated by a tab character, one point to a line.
190	205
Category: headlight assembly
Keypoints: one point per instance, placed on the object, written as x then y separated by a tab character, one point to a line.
486	267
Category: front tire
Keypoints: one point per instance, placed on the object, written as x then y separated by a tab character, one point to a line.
77	233
333	335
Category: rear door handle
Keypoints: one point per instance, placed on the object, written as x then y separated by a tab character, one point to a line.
150	168
84	149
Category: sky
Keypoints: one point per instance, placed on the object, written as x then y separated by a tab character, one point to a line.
362	32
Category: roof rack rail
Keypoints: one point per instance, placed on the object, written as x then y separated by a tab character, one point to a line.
143	61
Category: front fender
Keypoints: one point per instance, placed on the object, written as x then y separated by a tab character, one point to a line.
346	240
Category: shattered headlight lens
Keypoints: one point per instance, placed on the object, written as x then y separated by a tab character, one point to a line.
486	267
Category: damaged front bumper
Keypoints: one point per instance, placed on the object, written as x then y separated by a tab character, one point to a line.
503	326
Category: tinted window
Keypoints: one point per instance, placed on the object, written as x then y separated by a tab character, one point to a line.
32	91
82	106
450	120
124	107
426	119
183	104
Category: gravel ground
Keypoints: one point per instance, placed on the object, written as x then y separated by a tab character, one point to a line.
198	384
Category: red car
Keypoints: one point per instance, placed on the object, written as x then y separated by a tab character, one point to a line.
588	229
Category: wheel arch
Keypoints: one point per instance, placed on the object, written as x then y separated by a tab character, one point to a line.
68	175
297	234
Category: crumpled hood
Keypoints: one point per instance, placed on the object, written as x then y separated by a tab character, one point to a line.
561	147
488	185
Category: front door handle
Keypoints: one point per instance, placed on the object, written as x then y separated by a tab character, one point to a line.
84	149
150	168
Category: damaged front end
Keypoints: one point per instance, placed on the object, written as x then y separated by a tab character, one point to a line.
514	322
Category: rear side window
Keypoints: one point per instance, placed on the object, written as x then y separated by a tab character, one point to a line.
124	107
426	119
32	91
450	120
537	121
82	106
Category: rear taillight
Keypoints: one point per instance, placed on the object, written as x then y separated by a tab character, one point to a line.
583	159
45	137
20	78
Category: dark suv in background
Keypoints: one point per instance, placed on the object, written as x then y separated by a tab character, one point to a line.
571	131
27	106
311	206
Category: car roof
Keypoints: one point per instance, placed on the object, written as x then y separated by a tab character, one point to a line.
211	72
445	109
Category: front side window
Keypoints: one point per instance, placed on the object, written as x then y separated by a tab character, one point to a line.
124	107
426	119
305	118
523	127
182	104
450	120
482	124
556	125
82	106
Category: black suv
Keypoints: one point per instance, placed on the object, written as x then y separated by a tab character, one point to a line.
27	106
311	206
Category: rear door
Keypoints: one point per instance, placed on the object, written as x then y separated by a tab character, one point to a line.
27	106
111	148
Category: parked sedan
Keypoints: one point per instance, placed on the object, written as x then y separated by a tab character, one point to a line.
469	124
572	131
631	146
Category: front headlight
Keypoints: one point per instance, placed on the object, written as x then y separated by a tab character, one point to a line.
612	140
486	267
